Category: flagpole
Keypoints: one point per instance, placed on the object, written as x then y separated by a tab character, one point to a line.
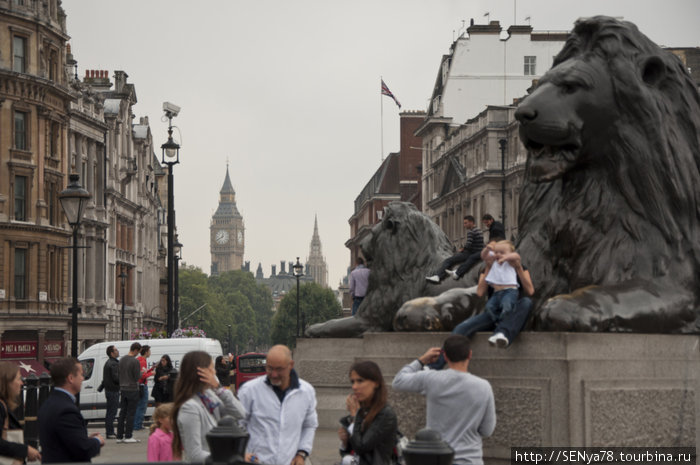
381	105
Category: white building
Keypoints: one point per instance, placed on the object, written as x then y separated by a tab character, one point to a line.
483	70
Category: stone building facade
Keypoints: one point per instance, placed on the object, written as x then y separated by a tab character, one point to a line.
55	124
134	245
473	175
34	121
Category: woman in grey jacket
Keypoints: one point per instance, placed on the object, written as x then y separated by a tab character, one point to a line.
370	432
199	404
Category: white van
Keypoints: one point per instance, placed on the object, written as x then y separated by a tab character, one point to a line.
93	404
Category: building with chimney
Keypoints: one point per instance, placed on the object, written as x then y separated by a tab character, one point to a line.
227	232
472	158
283	282
397	178
123	171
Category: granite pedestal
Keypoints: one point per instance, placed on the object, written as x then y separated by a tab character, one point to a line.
551	389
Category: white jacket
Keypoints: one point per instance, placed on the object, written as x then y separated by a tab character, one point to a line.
279	429
194	422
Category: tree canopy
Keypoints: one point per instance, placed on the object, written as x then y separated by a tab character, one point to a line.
232	298
316	305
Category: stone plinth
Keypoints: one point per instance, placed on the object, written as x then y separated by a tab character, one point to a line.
551	389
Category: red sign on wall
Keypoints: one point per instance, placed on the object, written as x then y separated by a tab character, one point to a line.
53	349
18	349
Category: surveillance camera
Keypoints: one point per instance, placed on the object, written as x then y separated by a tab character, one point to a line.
171	110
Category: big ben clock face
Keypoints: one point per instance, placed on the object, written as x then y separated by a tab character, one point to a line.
240	237
222	237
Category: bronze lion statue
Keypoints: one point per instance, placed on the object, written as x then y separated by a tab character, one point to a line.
400	251
609	216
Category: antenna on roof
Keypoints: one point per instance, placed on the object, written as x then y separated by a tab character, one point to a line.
527	18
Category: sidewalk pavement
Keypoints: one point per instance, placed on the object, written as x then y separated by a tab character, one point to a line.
325	451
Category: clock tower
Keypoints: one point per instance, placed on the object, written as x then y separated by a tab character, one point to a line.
227	238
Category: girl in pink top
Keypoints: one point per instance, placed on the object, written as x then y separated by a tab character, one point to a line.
160	441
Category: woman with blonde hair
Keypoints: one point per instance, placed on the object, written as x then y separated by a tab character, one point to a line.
10	390
369	433
200	401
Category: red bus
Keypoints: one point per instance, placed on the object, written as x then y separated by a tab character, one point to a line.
249	366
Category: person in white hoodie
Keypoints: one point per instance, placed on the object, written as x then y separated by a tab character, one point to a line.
280	412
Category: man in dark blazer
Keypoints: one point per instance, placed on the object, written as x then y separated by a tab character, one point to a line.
62	431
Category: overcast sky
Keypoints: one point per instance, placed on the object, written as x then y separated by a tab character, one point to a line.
288	91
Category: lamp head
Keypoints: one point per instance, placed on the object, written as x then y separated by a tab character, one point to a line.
73	199
298	268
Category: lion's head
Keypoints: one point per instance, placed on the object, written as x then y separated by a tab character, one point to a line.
613	170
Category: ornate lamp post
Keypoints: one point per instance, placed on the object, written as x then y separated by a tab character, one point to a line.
170	157
298	273
73	199
123	277
176	303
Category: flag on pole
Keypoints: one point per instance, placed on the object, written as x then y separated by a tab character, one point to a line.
387	92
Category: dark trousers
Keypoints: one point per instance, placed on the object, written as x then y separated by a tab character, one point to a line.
127	409
467	260
141	408
356	301
112	407
510	324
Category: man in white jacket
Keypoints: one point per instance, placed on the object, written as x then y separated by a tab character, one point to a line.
280	412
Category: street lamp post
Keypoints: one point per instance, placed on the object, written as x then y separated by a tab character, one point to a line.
229	339
123	277
73	199
171	152
503	143
176	269
298	273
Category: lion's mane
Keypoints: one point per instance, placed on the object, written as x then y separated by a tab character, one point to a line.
631	210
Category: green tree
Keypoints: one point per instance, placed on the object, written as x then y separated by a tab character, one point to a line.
316	305
232	298
194	292
258	296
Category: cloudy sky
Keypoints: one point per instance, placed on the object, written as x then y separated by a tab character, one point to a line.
287	91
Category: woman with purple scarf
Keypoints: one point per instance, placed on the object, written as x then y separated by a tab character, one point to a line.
200	401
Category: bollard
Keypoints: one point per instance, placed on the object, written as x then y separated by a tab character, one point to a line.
428	449
227	442
31	408
44	387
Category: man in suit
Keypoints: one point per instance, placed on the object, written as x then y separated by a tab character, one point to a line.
62	430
